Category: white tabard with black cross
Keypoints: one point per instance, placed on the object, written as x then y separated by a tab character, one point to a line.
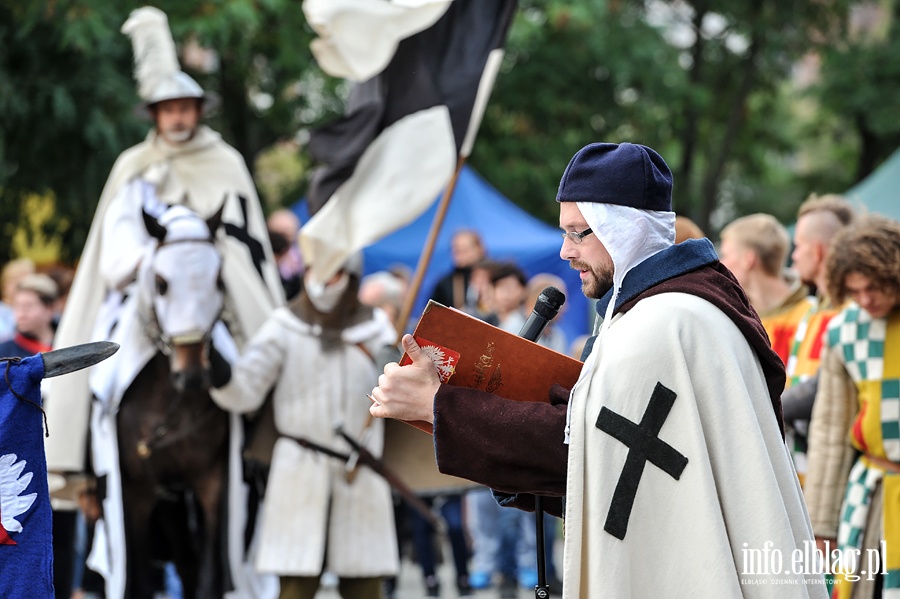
679	483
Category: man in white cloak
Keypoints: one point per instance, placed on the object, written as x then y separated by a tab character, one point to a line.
316	354
180	162
667	458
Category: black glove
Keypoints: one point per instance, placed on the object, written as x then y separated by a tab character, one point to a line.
797	401
220	369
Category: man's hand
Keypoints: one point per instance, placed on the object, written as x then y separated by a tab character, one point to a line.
407	392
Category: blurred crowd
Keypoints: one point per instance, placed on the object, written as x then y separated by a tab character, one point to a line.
838	275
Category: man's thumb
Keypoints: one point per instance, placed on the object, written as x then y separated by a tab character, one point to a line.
413	350
418	357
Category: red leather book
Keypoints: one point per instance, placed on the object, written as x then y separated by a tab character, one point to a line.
469	352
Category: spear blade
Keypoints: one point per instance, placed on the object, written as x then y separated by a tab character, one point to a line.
76	357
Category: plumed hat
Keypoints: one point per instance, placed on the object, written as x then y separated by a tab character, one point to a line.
622	174
156	68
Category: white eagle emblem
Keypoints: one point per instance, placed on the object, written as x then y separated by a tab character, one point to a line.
12	502
443	359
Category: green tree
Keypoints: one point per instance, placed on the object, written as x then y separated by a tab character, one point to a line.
707	84
859	89
574	74
702	82
65	101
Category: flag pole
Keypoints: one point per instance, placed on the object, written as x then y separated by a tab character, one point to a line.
485	85
427	251
492	66
415	285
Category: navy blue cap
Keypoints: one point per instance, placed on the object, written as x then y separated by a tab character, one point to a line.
624	174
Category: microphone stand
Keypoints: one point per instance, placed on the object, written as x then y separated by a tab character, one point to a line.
545	309
542	589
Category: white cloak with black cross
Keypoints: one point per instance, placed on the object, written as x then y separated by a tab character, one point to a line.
679	483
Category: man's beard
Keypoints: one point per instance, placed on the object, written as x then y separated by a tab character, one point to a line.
177	135
598	283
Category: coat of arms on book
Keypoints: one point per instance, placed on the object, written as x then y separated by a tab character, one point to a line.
445	359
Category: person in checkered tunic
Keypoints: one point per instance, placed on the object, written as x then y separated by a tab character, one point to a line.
853	484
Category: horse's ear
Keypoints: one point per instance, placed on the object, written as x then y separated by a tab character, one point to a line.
153	227
215	221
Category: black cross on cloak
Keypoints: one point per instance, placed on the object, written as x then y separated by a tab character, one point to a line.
242	234
644	445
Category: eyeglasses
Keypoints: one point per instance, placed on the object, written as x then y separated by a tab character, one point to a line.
575	236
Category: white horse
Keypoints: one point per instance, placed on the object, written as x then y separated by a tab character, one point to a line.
167	450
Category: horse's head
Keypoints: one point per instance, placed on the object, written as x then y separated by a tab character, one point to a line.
182	291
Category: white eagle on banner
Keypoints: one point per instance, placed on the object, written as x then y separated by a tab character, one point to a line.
12	502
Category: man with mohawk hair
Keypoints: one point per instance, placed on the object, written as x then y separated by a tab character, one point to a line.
182	162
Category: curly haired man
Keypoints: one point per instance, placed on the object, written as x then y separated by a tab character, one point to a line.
853	484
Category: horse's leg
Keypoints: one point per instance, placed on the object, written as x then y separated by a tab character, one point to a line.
175	527
210	494
137	480
142	581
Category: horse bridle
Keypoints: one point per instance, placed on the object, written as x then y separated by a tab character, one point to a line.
162	436
154	332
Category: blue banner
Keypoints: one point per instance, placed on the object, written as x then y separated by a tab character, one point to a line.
26	549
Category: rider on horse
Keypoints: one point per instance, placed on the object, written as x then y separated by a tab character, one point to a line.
180	162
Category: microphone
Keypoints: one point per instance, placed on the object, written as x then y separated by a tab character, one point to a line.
545	309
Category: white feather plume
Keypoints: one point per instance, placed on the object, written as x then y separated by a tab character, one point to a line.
154	49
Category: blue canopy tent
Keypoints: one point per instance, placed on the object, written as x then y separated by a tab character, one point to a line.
880	191
509	233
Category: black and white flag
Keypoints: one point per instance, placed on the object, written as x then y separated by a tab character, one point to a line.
406	126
